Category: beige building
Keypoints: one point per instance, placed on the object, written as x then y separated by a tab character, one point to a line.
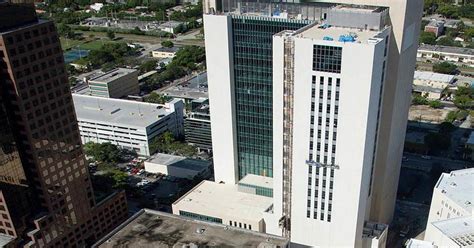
431	84
226	204
164	52
116	83
458	55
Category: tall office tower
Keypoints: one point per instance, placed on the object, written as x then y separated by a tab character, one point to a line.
41	146
332	83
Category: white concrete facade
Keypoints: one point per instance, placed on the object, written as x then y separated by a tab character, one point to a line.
352	116
127	124
221	96
357	117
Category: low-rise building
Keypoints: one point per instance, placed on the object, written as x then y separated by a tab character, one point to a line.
456	55
116	83
224	204
128	124
197	125
149	228
431	84
164	52
177	166
450	221
170	26
436	27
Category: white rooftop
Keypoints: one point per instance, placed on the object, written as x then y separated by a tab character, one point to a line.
178	161
170	24
460	230
112	75
256	180
317	32
459	187
431	76
117	111
216	199
416	243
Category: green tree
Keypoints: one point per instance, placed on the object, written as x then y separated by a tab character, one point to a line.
451	116
435	104
147	66
462	102
110	34
465	91
167	43
65	31
445	68
137	31
467	10
463	97
419	100
154	97
105	152
109	53
166	143
160	15
448	41
448	11
120	179
71	70
427	38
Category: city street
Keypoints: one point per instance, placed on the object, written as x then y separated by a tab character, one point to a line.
416	161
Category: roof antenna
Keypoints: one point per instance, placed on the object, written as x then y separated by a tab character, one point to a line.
98	104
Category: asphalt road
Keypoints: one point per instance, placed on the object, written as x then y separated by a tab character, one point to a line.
146	39
416	161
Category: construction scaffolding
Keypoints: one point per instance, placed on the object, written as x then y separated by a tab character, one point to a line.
288	95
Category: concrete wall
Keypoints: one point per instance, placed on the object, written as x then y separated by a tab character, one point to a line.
124	86
218	33
405	19
359	95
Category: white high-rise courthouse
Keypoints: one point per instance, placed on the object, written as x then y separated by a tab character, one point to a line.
315	96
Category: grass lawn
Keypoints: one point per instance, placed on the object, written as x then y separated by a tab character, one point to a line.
85	44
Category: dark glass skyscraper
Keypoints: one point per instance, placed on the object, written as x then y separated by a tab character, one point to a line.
47	198
252	37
